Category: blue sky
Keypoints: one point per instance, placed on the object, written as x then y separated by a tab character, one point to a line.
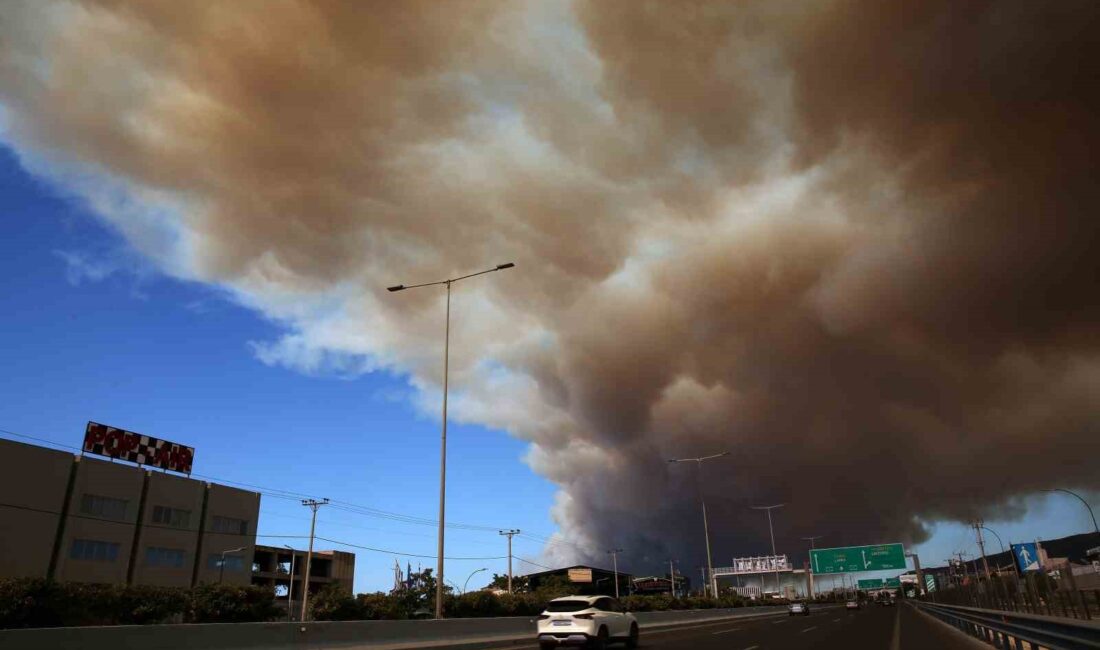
92	331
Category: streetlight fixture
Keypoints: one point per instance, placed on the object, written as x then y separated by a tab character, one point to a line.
443	437
706	532
476	571
1082	499
290	588
769	509
221	565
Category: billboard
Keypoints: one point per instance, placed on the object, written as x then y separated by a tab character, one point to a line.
112	442
763	564
1026	556
580	575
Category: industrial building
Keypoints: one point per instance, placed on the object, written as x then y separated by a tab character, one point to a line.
282	568
77	518
586	580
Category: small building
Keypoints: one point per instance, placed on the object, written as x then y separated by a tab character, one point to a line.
77	518
586	580
271	567
650	585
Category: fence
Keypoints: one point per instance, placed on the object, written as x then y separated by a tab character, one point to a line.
1035	594
1010	630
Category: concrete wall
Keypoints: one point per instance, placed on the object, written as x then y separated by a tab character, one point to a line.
177	493
104	479
227	502
32	490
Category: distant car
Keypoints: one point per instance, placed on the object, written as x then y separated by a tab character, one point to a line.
798	607
887	601
592	621
852	604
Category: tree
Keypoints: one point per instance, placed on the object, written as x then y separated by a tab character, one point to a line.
519	583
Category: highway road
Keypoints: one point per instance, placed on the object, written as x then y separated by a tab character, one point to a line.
873	628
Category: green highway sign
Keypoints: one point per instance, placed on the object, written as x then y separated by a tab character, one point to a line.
874	583
880	557
893	582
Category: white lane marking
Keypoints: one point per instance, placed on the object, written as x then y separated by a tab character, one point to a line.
808	629
778	622
726	631
836	620
752	647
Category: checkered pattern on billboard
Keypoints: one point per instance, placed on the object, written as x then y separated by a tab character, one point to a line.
104	440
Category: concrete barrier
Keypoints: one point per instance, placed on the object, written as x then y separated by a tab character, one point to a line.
447	633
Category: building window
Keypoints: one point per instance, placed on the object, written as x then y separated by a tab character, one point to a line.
232	562
164	557
87	549
230	525
174	517
106	507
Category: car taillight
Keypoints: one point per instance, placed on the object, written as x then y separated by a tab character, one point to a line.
587	617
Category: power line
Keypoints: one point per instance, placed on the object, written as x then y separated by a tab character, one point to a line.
344	506
389	552
541	566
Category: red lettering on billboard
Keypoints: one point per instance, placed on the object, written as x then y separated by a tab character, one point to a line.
112	442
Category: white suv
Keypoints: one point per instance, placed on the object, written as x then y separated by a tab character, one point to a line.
594	621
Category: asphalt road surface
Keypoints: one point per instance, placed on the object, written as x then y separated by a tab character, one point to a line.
874	627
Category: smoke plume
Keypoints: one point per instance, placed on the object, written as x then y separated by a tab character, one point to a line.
853	242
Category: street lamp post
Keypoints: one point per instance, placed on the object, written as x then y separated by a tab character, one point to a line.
472	574
769	509
290	588
706	531
810	570
221	565
443	437
1082	499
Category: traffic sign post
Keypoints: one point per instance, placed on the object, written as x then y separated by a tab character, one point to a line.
1026	556
880	557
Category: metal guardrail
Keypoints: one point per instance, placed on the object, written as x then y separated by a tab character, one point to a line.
1008	629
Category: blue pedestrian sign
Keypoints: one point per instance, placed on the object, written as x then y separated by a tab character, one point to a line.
1027	556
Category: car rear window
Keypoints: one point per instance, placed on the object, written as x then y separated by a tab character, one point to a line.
567	605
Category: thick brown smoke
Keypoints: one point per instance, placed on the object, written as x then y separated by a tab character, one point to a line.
853	242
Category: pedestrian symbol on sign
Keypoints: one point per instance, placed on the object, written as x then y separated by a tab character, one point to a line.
1027	556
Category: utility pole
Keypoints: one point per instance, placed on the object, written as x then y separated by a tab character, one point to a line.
614	553
981	546
671	579
313	505
510	533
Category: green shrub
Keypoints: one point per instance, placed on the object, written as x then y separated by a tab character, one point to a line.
220	603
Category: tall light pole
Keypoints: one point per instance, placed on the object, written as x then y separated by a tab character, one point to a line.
1082	499
510	533
706	532
810	570
290	588
614	553
671	579
769	509
443	437
472	574
221	566
1015	569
